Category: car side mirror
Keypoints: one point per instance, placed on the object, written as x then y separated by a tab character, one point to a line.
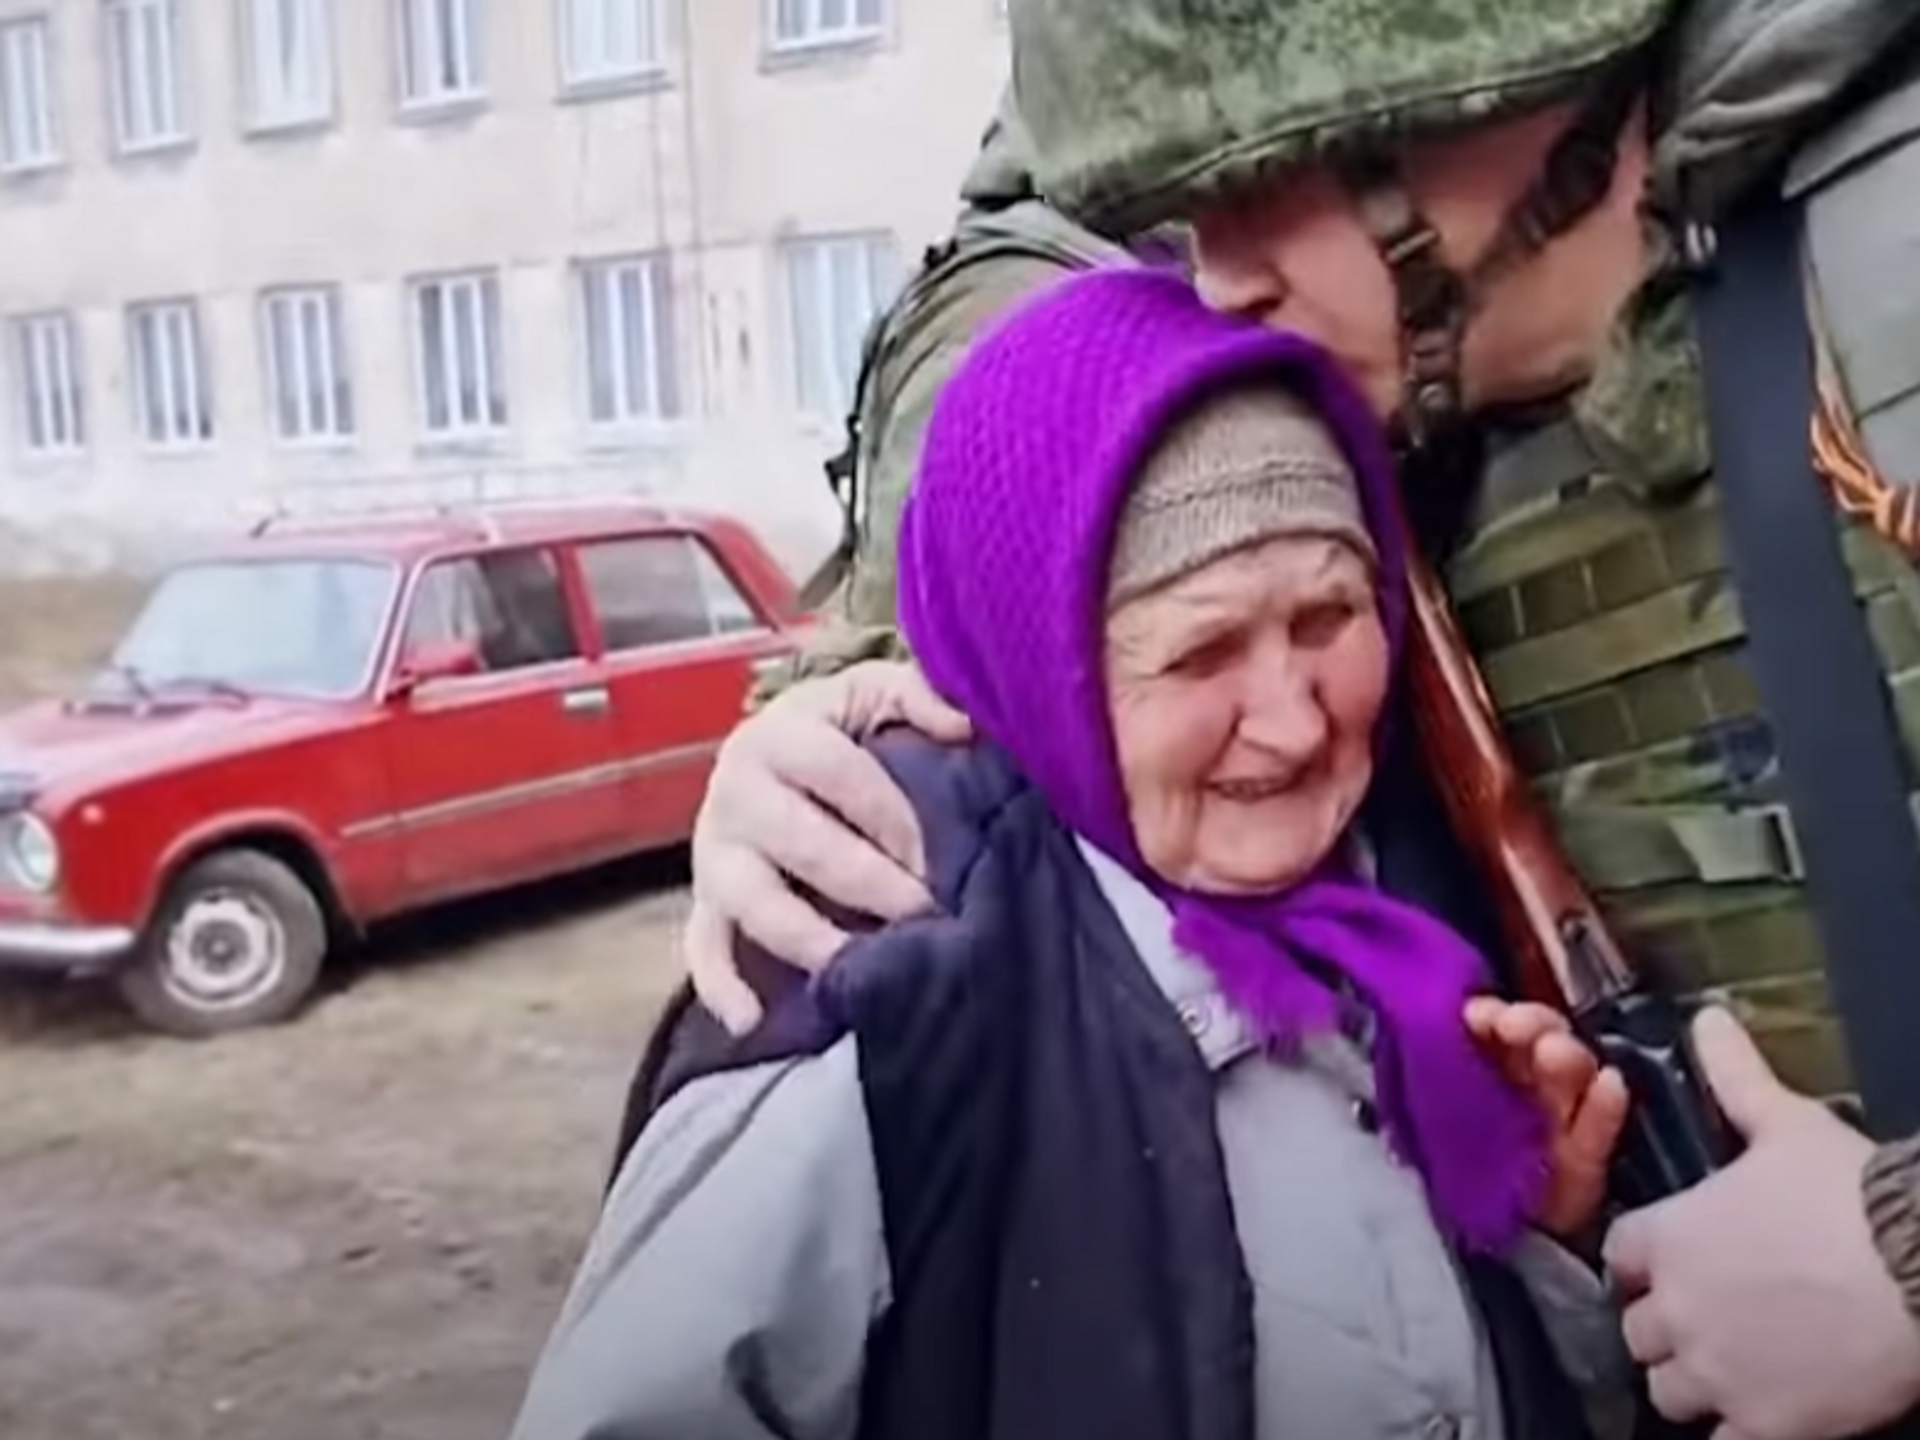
439	660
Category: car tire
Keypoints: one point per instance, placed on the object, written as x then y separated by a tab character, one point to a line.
238	942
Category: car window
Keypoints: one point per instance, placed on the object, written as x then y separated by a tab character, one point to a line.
729	608
509	604
299	626
660	590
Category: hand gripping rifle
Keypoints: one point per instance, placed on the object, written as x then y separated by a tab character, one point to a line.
1565	955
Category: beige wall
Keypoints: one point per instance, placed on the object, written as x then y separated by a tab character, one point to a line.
730	151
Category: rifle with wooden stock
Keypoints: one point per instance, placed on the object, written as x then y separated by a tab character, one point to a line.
1565	954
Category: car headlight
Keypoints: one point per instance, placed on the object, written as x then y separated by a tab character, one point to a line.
31	854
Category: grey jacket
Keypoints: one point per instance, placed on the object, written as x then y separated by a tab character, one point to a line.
741	1263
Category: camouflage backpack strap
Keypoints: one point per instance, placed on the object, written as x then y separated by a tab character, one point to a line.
842	476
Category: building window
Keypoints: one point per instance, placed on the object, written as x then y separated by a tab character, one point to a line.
627	334
46	367
834	288
143	52
440	44
289	61
803	24
27	137
605	42
461	377
172	406
306	364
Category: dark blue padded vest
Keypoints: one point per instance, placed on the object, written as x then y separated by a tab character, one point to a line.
1057	1217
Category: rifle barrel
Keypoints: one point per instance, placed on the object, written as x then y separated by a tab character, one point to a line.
1566	955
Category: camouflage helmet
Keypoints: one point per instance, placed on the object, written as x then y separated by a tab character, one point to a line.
1141	111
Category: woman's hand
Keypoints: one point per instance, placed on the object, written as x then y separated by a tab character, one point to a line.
1585	1105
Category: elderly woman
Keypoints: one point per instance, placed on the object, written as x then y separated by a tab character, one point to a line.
1172	1124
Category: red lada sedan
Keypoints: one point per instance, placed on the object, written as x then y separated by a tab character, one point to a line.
328	724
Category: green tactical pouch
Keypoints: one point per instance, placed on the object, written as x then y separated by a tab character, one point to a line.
1611	639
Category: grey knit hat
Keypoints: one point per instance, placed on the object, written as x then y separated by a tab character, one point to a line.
1246	466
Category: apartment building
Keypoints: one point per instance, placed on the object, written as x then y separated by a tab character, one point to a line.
317	253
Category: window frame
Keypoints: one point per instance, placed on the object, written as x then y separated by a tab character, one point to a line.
598	274
118	17
19	332
652	71
322	107
883	271
49	114
473	93
337	358
816	38
489	285
201	360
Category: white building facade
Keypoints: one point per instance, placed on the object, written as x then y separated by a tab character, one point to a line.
325	253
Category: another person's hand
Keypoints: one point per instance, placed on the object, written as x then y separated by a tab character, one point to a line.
1585	1105
794	797
1758	1296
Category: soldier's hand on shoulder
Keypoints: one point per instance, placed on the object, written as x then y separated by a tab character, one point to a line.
795	797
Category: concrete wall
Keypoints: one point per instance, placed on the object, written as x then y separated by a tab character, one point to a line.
729	151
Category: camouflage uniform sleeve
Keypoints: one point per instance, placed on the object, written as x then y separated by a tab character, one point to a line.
1892	1193
931	334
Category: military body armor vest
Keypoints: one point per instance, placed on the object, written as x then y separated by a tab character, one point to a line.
1595	591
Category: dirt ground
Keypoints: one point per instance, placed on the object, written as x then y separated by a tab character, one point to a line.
355	1227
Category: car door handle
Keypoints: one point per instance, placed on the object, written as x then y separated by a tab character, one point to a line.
588	700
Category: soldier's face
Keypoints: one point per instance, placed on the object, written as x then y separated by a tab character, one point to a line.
1543	326
1295	256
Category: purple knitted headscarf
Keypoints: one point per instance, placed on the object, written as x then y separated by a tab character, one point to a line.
1004	549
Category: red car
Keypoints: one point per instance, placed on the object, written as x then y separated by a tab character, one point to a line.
331	723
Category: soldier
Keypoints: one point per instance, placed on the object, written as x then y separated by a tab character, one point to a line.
1445	194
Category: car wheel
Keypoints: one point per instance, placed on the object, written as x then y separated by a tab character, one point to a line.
238	942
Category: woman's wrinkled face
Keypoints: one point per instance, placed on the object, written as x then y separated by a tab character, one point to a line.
1243	699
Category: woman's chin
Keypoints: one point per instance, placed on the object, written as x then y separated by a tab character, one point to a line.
1231	849
1255	864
